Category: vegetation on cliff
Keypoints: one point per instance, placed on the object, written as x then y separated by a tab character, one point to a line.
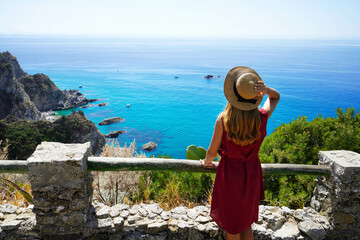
23	136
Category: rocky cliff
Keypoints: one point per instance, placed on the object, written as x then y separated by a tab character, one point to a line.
37	88
42	91
25	97
13	98
47	96
18	71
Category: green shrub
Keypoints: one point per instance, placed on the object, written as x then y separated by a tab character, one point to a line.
24	136
299	142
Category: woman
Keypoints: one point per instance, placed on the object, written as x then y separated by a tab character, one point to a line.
239	132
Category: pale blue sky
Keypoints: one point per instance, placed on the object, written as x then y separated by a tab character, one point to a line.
185	18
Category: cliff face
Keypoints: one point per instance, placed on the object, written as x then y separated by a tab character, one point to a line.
39	89
43	92
13	98
18	71
47	96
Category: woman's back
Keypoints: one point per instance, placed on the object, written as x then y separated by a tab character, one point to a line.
239	183
229	149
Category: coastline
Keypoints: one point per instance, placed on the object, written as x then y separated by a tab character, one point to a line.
179	112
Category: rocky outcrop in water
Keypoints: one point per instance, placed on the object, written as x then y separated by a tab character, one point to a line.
75	98
13	98
111	120
114	134
102	104
149	146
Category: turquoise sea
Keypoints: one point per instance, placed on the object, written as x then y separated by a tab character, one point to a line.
313	76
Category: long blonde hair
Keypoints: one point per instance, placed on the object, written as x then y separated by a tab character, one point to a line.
242	127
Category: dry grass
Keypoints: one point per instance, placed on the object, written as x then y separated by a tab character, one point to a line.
120	187
8	193
3	150
172	198
114	187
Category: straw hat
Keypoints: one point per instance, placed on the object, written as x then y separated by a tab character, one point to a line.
239	88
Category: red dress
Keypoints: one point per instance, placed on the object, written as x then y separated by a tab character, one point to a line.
239	184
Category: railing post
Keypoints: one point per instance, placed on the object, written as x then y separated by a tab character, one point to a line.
62	189
338	195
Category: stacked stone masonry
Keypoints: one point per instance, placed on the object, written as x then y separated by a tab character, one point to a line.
149	221
338	196
63	207
62	189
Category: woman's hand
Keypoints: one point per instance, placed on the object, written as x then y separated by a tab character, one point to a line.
207	165
261	88
273	96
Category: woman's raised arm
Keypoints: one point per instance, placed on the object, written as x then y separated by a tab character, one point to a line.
273	97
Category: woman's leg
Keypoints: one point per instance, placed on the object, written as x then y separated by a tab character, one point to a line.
230	236
247	234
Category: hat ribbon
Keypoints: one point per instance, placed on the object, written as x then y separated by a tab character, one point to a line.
240	98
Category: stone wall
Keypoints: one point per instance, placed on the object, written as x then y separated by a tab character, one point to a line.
62	189
338	196
149	221
64	210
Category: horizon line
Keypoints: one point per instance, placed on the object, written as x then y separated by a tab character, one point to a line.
138	37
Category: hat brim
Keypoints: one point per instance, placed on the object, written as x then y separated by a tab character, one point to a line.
229	89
